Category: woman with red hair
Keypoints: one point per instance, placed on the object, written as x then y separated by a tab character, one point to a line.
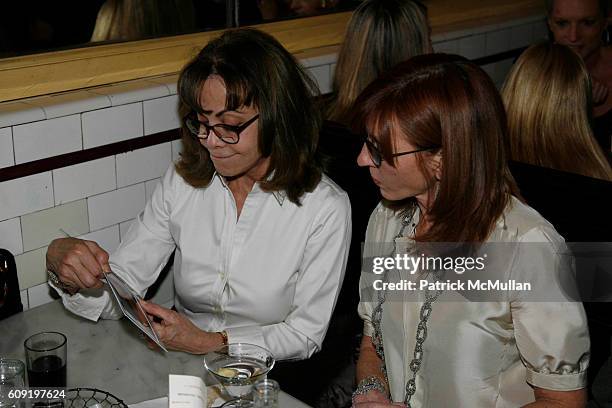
436	148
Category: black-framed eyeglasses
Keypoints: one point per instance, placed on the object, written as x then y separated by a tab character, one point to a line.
228	133
376	154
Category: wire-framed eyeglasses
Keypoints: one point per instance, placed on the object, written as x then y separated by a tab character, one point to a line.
227	133
376	154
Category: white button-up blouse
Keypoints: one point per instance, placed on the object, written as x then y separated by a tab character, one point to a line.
270	277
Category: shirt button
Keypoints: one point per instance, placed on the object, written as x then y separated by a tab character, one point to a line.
222	275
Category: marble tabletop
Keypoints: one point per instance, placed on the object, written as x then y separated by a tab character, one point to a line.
108	355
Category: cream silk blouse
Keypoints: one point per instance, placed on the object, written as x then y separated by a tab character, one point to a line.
482	354
270	277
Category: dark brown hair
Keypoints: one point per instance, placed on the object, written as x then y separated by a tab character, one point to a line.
447	101
258	71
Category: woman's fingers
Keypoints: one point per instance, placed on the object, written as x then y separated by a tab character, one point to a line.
157	311
600	92
77	262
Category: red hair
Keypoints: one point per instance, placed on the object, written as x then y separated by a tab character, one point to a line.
447	101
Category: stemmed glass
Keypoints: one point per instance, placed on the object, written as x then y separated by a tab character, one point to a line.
237	366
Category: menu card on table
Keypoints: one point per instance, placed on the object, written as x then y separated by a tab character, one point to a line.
187	391
129	302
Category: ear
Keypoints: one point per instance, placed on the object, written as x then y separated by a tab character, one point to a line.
435	165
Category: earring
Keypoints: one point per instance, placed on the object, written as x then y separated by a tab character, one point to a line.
607	36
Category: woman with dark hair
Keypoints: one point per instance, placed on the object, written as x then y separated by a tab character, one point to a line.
435	147
261	236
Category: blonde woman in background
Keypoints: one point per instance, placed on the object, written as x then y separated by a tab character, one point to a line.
136	19
380	34
548	100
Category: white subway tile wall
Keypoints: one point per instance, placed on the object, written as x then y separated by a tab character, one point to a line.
112	125
7	157
84	180
42	227
10	235
39	295
446	47
161	114
99	199
31	268
540	31
170	81
69	103
25	195
47	138
473	46
497	41
115	206
521	36
321	76
132	91
143	164
107	238
24	299
16	113
318	60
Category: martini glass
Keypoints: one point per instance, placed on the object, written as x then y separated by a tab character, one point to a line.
237	366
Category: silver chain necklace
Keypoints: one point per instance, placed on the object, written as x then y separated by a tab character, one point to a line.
421	334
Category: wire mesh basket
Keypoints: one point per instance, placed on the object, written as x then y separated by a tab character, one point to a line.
91	398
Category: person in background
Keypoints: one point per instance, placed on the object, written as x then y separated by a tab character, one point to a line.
260	235
128	20
548	102
311	7
436	147
380	34
582	26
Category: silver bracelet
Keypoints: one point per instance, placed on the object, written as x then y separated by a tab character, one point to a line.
53	278
369	384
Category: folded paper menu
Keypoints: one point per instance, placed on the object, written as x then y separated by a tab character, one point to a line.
129	302
186	391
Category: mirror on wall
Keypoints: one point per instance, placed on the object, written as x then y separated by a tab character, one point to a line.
34	26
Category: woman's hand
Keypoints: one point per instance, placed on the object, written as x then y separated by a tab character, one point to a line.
77	262
374	399
177	332
600	92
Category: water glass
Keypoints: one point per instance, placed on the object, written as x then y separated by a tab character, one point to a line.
12	377
265	393
46	359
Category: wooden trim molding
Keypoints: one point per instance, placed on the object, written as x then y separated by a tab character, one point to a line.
46	73
81	156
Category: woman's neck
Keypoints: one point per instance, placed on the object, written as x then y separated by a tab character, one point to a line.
424	219
242	185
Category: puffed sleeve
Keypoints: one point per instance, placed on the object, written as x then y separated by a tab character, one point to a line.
320	278
140	257
552	337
